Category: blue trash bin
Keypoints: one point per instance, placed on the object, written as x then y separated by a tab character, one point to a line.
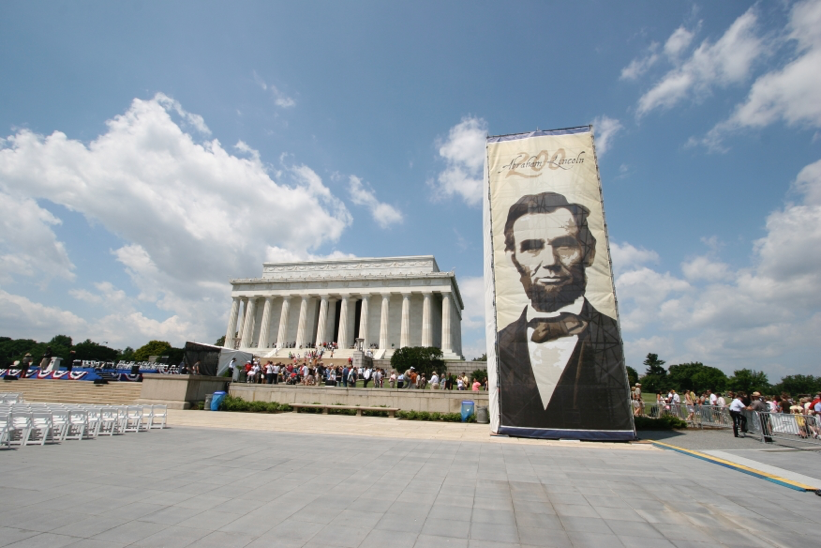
467	410
217	400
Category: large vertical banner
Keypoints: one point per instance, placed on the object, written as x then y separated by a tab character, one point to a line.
555	358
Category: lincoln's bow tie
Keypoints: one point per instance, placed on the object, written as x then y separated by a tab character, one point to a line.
563	325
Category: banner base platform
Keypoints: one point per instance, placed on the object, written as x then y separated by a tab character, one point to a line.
584	435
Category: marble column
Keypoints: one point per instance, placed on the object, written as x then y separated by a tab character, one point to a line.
323	319
342	336
303	320
404	333
363	322
427	329
248	330
230	335
384	321
242	317
447	345
283	322
266	323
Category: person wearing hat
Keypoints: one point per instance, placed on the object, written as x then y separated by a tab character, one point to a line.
759	406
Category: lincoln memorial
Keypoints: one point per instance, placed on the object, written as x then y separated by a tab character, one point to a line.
389	303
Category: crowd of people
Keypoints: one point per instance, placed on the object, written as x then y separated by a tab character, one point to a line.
803	406
312	372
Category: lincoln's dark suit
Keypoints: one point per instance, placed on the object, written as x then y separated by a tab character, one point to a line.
592	393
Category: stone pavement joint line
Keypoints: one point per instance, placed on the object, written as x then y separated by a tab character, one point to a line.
769	476
378	427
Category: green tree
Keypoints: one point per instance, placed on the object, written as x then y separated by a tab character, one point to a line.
480	375
220	341
795	385
152	348
89	350
632	376
425	359
126	355
696	376
482	358
655	377
655	366
749	381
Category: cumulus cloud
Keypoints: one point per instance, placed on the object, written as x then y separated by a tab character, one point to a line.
626	257
463	152
361	194
192	213
759	316
22	318
606	129
726	62
473	316
28	245
789	94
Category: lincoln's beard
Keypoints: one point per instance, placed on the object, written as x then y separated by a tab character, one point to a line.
550	298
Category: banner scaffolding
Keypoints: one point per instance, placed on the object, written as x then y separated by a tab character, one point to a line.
555	357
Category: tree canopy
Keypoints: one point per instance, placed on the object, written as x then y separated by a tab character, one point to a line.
425	359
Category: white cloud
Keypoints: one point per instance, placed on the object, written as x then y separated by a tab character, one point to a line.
22	318
705	268
280	99
606	129
790	93
472	289
28	245
728	61
626	256
384	214
638	67
463	152
678	42
193	214
765	316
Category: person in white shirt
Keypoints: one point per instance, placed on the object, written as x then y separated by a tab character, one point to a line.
721	402
713	398
737	408
434	381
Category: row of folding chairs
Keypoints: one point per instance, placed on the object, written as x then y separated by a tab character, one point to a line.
38	423
9	398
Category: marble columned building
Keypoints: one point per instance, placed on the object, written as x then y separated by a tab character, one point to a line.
389	302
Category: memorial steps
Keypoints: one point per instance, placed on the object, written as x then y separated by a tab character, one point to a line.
65	391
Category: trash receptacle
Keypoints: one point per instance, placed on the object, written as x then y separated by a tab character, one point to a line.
467	410
482	416
207	405
217	400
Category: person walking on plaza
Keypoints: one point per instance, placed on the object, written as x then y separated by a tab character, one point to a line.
232	367
737	408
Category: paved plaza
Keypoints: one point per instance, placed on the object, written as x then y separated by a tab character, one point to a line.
256	480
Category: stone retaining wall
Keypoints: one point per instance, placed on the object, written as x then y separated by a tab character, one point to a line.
442	401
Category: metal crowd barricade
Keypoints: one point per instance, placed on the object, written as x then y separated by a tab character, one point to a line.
786	426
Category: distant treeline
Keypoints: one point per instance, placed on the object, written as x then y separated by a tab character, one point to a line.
62	346
699	377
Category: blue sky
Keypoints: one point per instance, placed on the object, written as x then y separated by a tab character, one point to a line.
152	151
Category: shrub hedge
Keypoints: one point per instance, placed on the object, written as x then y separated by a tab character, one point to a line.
231	403
667	422
433	416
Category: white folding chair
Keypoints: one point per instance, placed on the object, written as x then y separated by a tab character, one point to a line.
159	415
41	428
19	427
5	434
147	417
93	422
133	418
77	424
108	421
59	423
